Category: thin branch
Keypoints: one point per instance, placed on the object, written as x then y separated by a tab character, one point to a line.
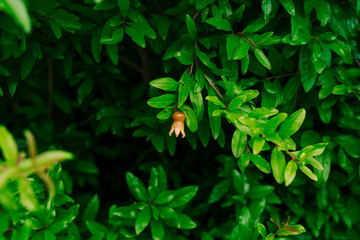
282	75
357	61
145	70
212	85
51	87
196	14
131	64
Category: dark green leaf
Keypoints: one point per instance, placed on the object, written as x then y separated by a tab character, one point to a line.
137	187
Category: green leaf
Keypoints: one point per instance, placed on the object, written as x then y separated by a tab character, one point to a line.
164	197
215	100
85	89
244	161
190	120
27	195
185	86
137	187
219	190
186	222
96	46
219	23
308	172
289	6
260	191
343	50
266	7
91	209
307	70
245	64
245	224
167	84
340	89
126	212
142	220
258	145
4	71
197	104
262	58
273	123
278	165
184	57
64	220
183	196
292	124
112	51
261	229
27	64
191	27
8	146
169	215
290	172
238	143
124	6
255	26
17	9
136	36
215	122
162	101
157	229
270	236
260	163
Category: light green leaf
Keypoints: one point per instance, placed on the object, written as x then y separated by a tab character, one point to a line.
260	163
162	101
8	146
258	145
278	165
18	10
238	143
308	172
167	84
292	124
290	172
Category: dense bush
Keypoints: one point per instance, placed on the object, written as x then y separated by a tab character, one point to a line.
269	91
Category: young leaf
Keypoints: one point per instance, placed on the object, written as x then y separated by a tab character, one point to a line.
278	165
191	119
290	172
292	124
